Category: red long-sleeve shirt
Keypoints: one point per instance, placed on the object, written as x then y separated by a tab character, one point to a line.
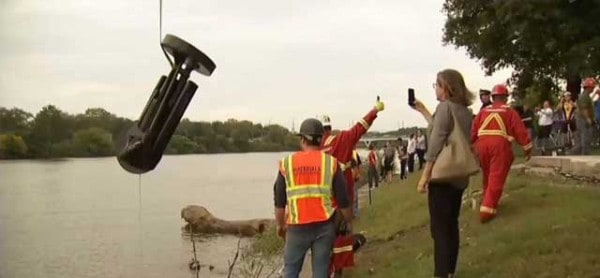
501	120
372	159
341	145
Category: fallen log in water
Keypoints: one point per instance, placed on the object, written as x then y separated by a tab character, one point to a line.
202	221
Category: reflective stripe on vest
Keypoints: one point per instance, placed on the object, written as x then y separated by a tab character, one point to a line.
328	140
496	132
327	149
309	202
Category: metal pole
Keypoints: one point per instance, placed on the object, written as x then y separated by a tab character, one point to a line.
370	198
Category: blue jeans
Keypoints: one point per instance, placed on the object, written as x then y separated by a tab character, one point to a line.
317	237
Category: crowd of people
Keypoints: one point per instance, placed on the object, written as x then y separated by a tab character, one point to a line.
315	187
396	159
568	127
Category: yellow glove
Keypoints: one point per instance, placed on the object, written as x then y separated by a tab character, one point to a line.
379	106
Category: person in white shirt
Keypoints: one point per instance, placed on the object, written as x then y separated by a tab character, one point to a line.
545	122
412	148
380	154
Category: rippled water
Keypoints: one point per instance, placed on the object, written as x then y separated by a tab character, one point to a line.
82	217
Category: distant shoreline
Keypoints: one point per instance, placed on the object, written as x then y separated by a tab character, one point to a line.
114	156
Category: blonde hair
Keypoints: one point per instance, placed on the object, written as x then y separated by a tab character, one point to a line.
452	81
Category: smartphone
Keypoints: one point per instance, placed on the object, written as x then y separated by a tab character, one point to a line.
411	96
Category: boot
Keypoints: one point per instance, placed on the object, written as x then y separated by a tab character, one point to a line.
485	217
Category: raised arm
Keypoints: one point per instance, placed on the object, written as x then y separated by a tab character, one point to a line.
354	134
419	106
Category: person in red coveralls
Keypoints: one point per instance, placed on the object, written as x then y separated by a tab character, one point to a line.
494	129
341	147
342	144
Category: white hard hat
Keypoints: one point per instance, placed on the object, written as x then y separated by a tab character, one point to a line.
325	120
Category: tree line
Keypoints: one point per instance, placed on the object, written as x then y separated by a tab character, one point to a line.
545	43
53	133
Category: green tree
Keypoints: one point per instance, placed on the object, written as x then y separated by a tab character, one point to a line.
242	134
52	125
276	134
99	117
553	39
12	146
49	127
180	144
93	141
54	133
14	120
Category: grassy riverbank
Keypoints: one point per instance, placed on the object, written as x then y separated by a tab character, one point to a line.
544	230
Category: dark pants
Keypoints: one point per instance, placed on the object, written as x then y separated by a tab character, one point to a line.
403	169
317	237
583	137
421	155
372	177
388	165
543	139
597	134
411	162
444	208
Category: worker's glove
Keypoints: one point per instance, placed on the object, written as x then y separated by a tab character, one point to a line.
379	106
344	228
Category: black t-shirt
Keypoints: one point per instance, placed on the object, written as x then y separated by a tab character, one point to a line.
484	105
526	115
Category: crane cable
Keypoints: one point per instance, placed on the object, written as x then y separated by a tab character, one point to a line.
141	235
160	32
194	263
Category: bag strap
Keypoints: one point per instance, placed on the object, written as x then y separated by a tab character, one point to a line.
456	123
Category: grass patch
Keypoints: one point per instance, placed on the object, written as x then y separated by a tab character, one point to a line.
267	243
542	231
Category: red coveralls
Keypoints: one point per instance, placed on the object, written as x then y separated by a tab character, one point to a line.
341	146
493	130
343	255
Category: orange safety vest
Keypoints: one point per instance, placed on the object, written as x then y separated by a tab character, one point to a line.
309	177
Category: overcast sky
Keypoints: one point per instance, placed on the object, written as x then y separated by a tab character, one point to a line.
277	61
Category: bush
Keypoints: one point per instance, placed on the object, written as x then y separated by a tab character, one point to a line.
12	146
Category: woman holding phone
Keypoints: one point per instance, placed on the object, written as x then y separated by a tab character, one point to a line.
445	197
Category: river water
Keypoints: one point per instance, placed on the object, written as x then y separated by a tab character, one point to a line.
83	218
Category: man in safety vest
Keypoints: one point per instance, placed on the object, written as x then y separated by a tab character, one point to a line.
494	129
341	145
307	183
